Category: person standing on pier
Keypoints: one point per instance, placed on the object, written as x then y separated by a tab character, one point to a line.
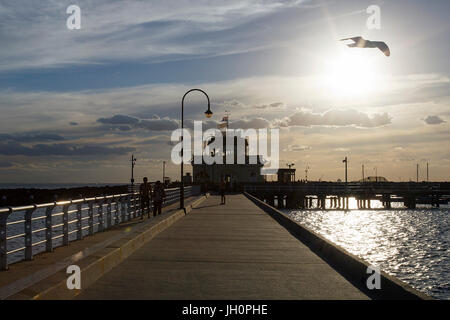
145	191
159	196
222	188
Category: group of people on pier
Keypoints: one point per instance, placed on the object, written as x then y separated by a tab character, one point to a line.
148	194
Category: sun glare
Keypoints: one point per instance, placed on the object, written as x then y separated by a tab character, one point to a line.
350	74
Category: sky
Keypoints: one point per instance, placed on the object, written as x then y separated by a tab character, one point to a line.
75	104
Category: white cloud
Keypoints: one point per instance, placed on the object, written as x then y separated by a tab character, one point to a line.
36	35
335	117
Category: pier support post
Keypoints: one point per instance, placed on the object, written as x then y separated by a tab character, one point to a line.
292	201
410	202
324	202
271	200
303	202
388	201
280	201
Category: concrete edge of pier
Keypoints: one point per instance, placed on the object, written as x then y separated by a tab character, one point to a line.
353	268
95	266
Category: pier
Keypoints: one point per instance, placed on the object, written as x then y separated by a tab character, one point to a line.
231	252
242	250
335	195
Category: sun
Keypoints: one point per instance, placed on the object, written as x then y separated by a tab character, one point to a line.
350	75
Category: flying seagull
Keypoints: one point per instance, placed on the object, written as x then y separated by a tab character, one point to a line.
359	42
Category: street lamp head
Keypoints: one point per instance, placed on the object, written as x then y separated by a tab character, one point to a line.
208	113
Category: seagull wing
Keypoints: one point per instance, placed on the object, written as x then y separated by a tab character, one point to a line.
356	39
383	47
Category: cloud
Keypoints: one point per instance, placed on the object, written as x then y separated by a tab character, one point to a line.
255	123
14	148
162	124
31	137
432	120
126	123
119	119
160	139
296	148
335	117
5	164
272	105
341	149
112	30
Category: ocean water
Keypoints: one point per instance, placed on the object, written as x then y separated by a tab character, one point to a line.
412	245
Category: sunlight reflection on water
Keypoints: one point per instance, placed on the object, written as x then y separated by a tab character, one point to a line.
411	245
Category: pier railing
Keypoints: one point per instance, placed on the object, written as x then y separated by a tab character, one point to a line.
353	188
28	230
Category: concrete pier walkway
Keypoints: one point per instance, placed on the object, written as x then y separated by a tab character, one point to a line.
232	251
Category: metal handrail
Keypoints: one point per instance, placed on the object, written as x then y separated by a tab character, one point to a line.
67	220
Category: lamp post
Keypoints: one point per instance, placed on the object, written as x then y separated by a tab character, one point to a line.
133	163
346	162
164	173
417	172
208	114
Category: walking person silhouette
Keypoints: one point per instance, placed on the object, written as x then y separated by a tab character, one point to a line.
159	196
222	188
145	191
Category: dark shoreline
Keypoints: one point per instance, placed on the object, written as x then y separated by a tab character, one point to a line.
27	196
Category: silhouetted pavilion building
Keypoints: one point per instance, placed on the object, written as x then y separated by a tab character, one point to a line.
234	173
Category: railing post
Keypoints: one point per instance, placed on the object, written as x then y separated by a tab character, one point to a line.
79	222
3	247
29	234
49	228
123	208
91	217
135	207
116	211
101	225
66	225
108	214
129	207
